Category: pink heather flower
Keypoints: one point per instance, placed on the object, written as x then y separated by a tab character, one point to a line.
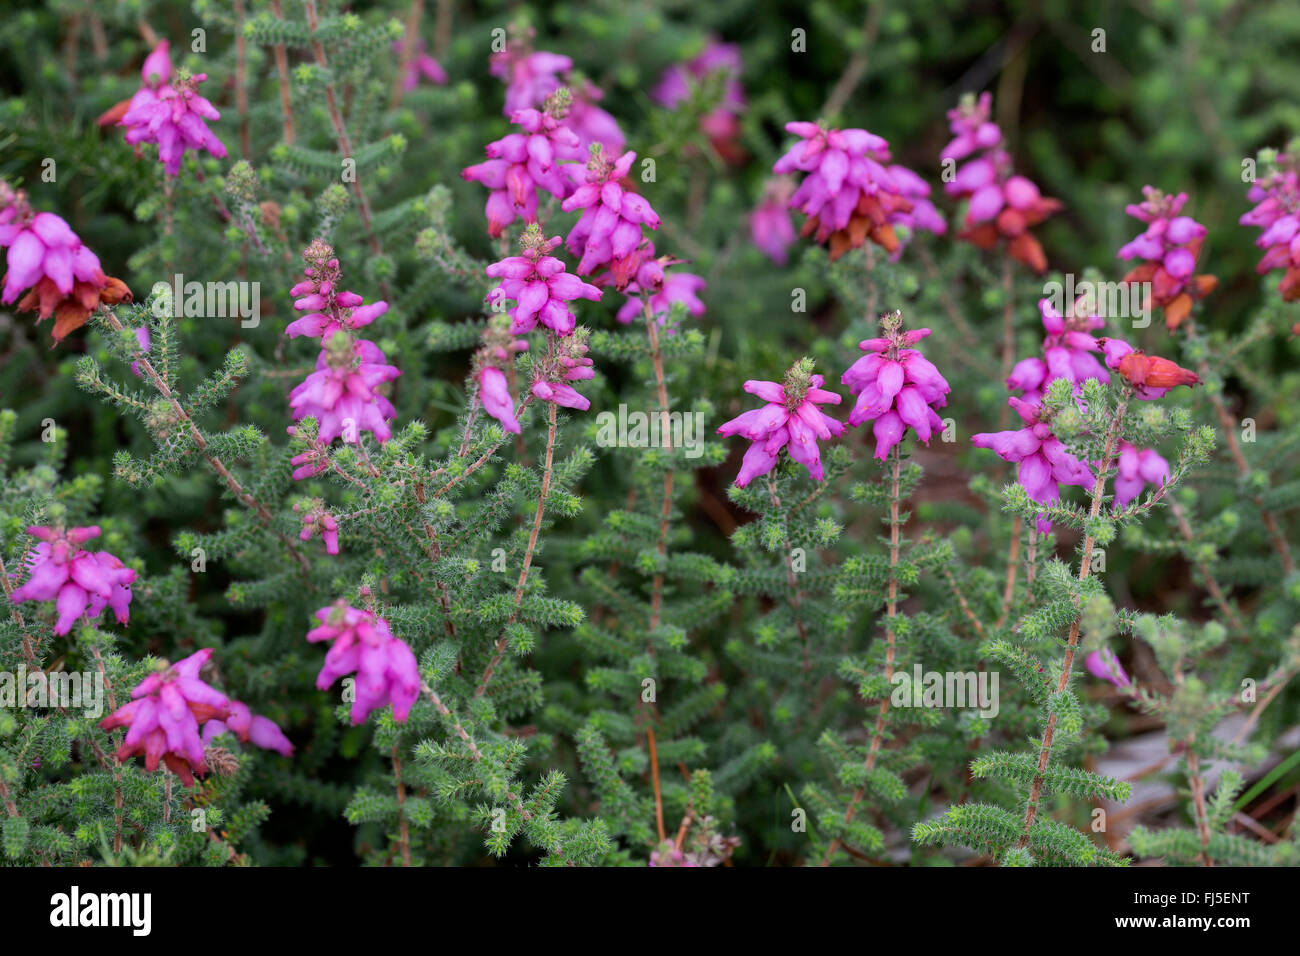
494	395
849	196
770	225
593	124
1067	353
316	519
1002	206
1045	464
521	163
539	286
529	77
971	127
146	343
421	65
328	306
173	116
41	246
683	287
248	726
790	420
677	82
1106	665
569	364
157	67
362	644
896	387
1169	246
1277	212
164	716
1137	469
610	226
342	393
79	582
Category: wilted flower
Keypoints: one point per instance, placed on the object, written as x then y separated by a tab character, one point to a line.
664	285
790	420
1150	375
164	716
78	581
1170	246
362	644
46	257
896	387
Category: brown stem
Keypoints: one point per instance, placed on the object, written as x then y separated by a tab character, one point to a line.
654	777
282	68
1198	802
1013	565
528	554
1085	566
404	829
857	65
891	611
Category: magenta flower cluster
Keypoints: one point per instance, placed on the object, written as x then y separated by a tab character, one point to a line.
897	388
361	644
79	582
169	111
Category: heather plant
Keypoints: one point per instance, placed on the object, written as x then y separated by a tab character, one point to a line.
430	439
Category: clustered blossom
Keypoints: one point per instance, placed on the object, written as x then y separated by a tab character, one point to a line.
520	164
421	66
1002	205
1137	469
1106	665
45	256
362	644
1044	463
790	420
721	124
1169	247
80	582
769	224
849	195
609	228
1067	353
1276	196
539	287
896	387
169	111
531	77
567	363
249	728
163	718
343	394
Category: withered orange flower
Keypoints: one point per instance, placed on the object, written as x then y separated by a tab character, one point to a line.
1152	371
73	310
